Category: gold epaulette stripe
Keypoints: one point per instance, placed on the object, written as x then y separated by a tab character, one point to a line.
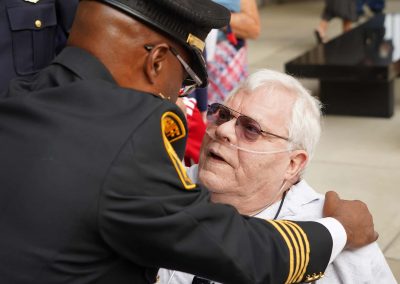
301	244
289	245
298	256
307	251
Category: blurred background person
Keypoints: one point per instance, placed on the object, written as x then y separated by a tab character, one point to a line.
375	6
346	10
196	129
227	67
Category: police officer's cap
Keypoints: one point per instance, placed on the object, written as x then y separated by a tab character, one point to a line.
186	21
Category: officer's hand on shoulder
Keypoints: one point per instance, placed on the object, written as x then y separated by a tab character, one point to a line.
355	218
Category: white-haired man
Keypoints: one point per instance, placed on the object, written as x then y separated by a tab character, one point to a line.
255	150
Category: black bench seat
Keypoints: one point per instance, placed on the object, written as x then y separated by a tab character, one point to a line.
356	69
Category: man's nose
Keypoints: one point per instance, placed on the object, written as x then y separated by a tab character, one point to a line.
227	131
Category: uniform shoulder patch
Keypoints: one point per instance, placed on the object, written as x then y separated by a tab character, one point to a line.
173	126
173	129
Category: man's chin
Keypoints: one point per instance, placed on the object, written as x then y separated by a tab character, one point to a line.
215	181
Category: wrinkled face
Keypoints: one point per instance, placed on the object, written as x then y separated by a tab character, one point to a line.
246	180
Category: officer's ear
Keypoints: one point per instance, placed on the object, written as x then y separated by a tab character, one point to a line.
155	61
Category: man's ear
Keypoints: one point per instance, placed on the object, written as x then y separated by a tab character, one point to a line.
298	160
155	62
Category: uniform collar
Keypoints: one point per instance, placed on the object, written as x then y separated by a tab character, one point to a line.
83	64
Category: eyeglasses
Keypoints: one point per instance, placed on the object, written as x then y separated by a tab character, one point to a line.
248	128
192	81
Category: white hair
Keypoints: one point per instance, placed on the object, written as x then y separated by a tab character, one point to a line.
305	124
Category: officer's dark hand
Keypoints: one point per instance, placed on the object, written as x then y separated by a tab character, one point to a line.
355	218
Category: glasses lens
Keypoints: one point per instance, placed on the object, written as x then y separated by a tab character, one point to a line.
248	127
212	109
247	130
218	114
223	115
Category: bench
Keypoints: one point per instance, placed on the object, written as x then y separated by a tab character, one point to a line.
357	69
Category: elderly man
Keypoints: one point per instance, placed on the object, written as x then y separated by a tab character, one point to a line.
92	188
254	152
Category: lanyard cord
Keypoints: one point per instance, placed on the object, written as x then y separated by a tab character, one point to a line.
280	205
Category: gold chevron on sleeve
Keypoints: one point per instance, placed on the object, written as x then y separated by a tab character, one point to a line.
306	251
299	248
298	276
299	255
289	245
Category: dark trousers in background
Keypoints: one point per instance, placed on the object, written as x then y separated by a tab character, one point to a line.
376	6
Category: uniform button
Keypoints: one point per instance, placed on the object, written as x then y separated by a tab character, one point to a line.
38	24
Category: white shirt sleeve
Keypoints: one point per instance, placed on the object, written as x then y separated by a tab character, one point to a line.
338	233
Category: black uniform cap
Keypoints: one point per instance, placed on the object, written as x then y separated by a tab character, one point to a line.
186	21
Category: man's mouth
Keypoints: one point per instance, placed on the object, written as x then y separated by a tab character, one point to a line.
216	156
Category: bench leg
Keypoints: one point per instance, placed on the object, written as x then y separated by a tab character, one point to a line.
358	98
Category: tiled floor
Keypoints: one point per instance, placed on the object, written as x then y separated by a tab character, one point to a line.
359	157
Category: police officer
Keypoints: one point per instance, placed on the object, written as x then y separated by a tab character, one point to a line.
92	185
31	33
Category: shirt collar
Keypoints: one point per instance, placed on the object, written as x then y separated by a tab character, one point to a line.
83	64
299	195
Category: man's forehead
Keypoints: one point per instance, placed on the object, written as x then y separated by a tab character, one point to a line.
267	98
264	103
